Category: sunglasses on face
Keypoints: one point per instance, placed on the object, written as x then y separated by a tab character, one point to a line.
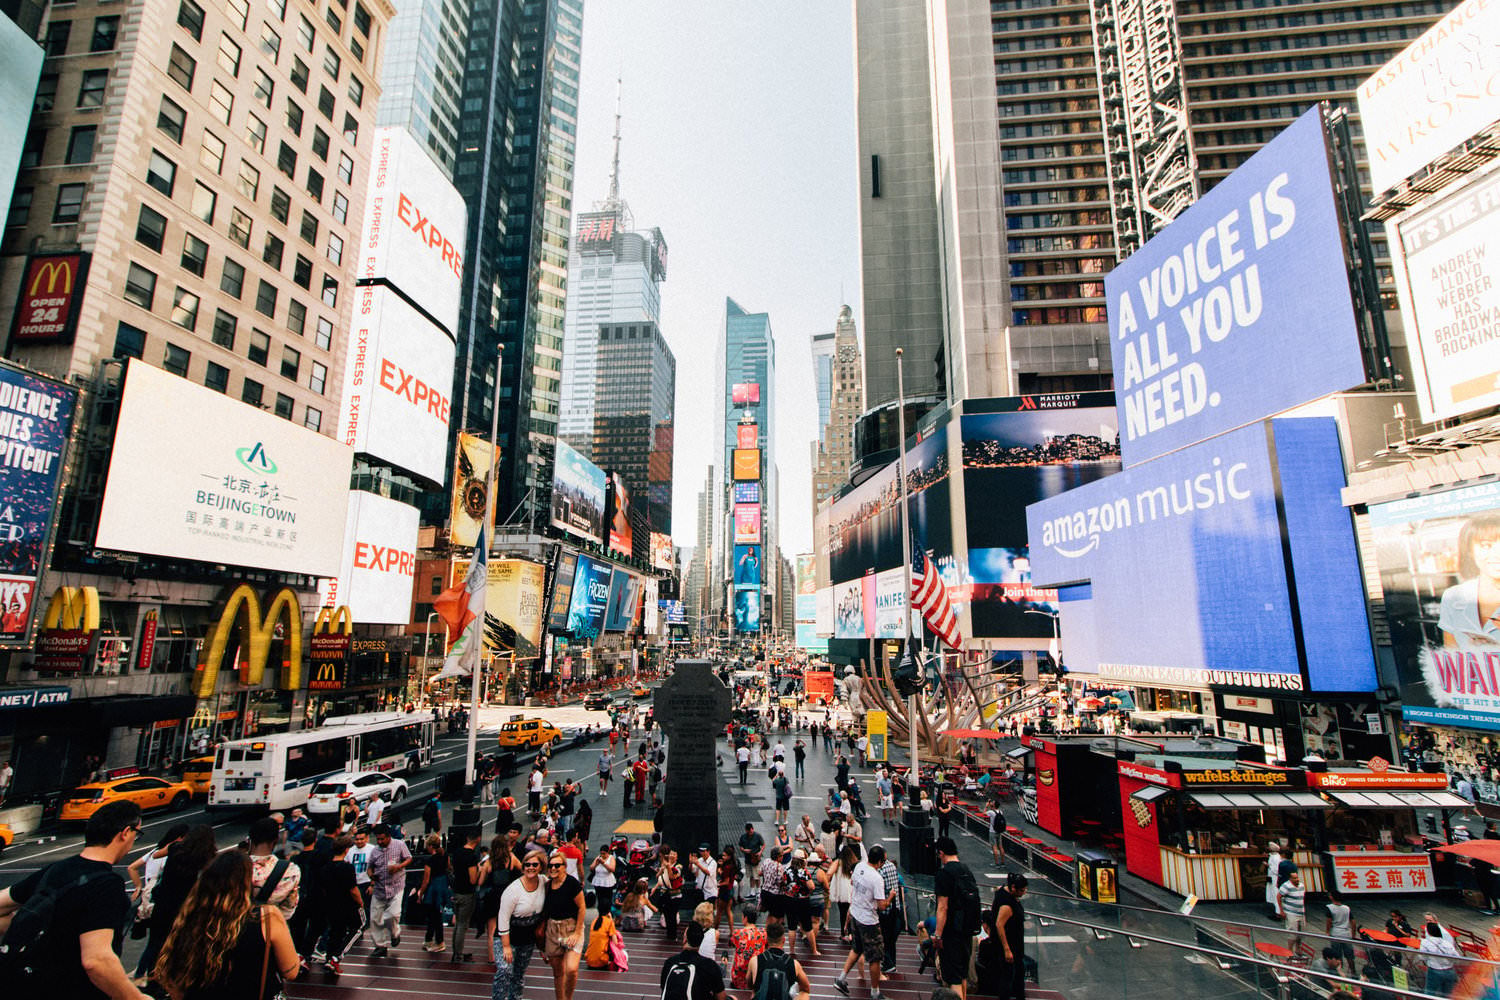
557	864
532	864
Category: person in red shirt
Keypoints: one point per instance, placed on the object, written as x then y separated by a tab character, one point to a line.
640	769
573	851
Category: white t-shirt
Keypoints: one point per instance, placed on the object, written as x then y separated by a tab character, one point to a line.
867	889
359	857
534	783
742	755
518	901
374	811
710	943
707	879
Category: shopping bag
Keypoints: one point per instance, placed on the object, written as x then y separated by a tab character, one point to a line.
619	958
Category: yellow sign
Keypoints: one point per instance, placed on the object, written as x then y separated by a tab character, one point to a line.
73	608
471	507
877	727
513	601
333	621
242	610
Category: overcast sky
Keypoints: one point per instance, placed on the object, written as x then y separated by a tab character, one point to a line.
739	144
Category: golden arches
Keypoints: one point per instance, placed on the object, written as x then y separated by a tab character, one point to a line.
73	608
242	610
334	621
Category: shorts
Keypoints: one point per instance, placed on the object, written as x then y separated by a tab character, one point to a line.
774	904
868	942
783	804
888	801
558	932
995	840
953	959
799	914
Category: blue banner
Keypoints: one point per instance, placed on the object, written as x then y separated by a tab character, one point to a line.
590	598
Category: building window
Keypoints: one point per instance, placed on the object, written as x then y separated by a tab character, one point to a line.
335	251
221	102
309	227
361	20
240	227
265	299
225	327
239	13
334	22
302	272
91	90
252	392
255	133
150	228
312	419
140	286
161	173
291	363
232	278
351	130
284	406
286	160
190	16
318	380
81	144
20	207
184	308
340	208
260	347
281	205
278	7
330	291
249	182
356	91
33	148
204	202
229	55
175	360
315	184
273	250
130	342
264	87
323	336
296	317
216	377
56	41
170	119
293	117
320	144
331	64
69	203
305	33
270	42
325	103
181	66
346	168
211	155
105	30
299	74
194	254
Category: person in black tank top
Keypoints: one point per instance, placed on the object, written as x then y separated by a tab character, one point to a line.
1009	917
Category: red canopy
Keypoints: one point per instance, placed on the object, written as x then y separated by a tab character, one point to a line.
1484	850
973	734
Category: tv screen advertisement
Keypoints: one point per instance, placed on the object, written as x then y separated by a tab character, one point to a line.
562	592
36	417
1439	561
578	492
747	492
747	566
621	536
890	603
662	556
746	394
513	607
590	598
747	611
243	487
1251	278
747	436
746	465
624	599
747	524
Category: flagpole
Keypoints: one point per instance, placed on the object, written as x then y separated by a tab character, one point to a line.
472	754
914	776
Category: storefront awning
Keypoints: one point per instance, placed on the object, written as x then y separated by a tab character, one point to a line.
1400	799
1018	751
1259	800
1150	793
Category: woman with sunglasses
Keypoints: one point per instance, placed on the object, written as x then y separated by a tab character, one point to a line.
782	841
564	910
516	924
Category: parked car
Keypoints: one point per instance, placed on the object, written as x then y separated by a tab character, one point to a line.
330	794
528	733
144	790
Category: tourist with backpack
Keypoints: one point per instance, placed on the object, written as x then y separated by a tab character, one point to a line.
62	925
868	898
958	916
688	975
773	972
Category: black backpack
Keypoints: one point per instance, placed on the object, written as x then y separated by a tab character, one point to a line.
774	974
678	983
26	947
964	908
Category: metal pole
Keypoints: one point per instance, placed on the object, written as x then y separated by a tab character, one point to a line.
914	776
472	754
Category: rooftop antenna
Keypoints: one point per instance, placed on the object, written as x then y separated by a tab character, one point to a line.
614	166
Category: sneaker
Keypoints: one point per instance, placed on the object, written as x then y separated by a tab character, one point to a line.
842	985
877	995
334	967
317	957
396	941
381	952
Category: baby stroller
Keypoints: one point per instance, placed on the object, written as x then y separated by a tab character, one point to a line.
640	863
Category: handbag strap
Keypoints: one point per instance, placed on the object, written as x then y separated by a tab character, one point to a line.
265	955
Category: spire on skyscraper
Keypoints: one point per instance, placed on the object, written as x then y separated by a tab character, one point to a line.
613	202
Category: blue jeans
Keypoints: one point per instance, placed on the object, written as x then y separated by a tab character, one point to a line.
1440	982
509	979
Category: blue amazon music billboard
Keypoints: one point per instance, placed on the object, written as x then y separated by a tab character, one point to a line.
1248	280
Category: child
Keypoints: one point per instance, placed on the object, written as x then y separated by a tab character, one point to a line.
636	909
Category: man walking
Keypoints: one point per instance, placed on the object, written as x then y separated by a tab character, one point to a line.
706	874
1010	928
742	757
957	908
868	899
799	752
388	864
1292	897
463	878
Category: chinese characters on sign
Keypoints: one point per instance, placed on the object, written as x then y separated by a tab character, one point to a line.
1374	871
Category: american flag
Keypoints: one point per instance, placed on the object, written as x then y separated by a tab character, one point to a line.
930	597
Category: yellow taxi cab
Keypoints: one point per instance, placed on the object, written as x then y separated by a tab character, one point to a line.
198	774
7	836
641	691
528	733
144	790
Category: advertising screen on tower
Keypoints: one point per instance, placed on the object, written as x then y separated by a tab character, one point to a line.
747	465
624	601
562	592
471	472
596	232
397	384
578	492
747	525
590	598
36	416
380	558
745	394
513	607
415	226
662	556
621	537
747	566
224	482
1252	278
747	610
747	492
747	435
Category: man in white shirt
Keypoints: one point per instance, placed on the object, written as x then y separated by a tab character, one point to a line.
742	757
375	810
706	874
778	752
862	745
868	898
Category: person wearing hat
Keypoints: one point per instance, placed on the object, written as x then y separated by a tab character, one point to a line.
706	874
799	883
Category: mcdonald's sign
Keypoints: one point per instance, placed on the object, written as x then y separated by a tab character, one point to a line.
70	630
330	620
52	289
328	650
256	631
73	608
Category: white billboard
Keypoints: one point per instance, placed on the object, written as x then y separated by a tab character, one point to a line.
380	559
415	227
398	384
1441	89
20	65
1447	275
196	475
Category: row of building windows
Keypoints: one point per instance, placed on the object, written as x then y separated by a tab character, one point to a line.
1033	130
1084	105
1042	43
1057	314
1189	23
1070	172
1312	40
1083	60
1214	67
1087	83
1254	91
1051	220
1056	196
1006	25
1060	265
1074	241
1058	290
1051	152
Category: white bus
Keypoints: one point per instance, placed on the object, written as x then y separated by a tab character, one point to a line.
278	771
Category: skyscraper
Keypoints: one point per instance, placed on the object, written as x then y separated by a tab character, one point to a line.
833	451
515	170
822	360
748	429
421	81
635	398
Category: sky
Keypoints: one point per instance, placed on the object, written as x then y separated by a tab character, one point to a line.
738	143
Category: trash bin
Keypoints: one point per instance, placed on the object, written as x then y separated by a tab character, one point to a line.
1098	877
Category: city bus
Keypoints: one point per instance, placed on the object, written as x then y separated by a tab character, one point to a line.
278	771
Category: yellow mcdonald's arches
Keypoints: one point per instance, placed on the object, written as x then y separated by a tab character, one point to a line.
333	620
73	608
58	271
242	610
328	671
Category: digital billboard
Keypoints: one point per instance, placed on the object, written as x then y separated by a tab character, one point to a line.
36	416
1218	527
1447	276
1251	278
850	617
380	559
675	612
595	233
472	459
562	592
747	492
624	601
578	491
51	294
1439	565
747	610
243	486
746	394
747	566
747	436
513	607
747	524
746	464
890	603
621	537
806	569
662	556
397	384
1437	93
415	226
807	639
1024	449
590	598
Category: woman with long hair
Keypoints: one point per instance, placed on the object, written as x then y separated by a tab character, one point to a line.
841	885
729	877
817	902
185	859
667	892
636	908
222	946
602	877
434	892
564	909
583	820
944	812
516	923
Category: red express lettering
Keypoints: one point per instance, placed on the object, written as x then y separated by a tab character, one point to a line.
411	215
413	390
383	558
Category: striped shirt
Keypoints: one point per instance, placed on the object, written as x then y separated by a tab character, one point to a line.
1293	899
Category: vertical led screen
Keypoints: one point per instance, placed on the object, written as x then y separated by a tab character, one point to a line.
747	566
746	465
471	473
562	592
747	524
747	610
590	598
621	537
